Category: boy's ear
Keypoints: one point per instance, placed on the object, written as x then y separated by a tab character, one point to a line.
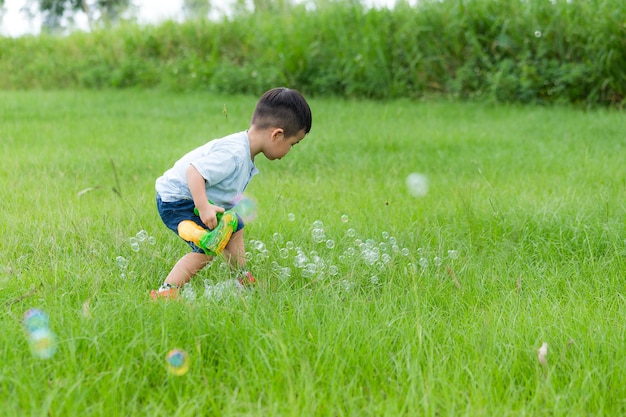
277	133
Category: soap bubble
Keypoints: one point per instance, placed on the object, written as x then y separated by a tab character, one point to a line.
134	244
291	217
278	238
121	262
333	270
35	319
141	235
351	233
152	240
43	343
284	253
344	218
417	184
245	207
453	254
177	362
318	235
330	243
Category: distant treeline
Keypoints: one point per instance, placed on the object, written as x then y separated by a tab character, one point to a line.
528	51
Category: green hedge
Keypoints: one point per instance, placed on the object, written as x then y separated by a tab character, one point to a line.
530	51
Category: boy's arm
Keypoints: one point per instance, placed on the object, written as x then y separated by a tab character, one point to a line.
198	191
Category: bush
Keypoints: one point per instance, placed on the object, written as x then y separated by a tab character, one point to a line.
534	51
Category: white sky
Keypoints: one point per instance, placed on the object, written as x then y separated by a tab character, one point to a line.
15	23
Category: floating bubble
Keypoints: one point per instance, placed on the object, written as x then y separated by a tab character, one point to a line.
330	243
152	240
351	233
318	235
284	253
245	207
43	343
141	235
189	294
290	245
121	262
318	224
134	244
424	262
291	217
405	251
177	362
278	238
333	270
417	184
35	319
344	218
386	235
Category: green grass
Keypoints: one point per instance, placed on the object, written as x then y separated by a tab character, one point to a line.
532	198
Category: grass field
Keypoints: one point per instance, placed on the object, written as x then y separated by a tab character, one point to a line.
430	306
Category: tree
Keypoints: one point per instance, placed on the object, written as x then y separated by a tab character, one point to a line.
194	9
56	12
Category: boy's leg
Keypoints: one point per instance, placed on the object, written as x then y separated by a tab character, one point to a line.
186	268
235	255
235	252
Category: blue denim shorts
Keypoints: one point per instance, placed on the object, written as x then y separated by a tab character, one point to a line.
172	213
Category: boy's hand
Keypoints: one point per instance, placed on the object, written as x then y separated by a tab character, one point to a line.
208	215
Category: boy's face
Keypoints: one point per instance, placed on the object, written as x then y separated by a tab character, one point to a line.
280	146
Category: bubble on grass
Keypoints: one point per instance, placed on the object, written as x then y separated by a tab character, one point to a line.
386	258
437	261
318	224
177	362
346	285
374	280
333	270
121	262
424	262
246	207
43	343
405	251
284	253
290	245
351	233
291	217
319	235
392	240
417	184
453	254
258	245
345	218
189	294
134	244
278	238
152	240
538	34
141	236
330	244
386	235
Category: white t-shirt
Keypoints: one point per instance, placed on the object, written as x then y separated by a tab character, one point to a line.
225	164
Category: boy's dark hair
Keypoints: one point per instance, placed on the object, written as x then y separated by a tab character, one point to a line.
285	108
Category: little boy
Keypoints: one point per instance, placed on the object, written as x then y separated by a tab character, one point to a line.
211	177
